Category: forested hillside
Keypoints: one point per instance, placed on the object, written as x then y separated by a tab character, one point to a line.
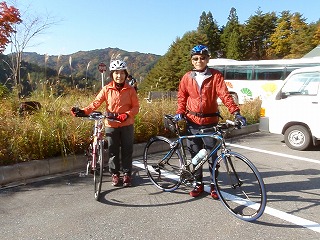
78	70
85	63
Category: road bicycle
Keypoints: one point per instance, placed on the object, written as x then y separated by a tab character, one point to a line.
97	152
238	182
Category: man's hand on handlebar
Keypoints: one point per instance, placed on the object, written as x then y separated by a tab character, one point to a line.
77	112
240	120
178	117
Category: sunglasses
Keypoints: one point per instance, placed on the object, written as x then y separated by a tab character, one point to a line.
197	58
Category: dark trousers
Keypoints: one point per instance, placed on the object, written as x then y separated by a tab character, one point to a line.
196	144
120	140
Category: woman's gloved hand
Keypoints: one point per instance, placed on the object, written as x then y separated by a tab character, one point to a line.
122	117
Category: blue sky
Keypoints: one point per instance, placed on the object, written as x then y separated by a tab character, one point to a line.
147	26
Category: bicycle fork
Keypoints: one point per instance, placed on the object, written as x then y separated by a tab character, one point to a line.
231	172
161	165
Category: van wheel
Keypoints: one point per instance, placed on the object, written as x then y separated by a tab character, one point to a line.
297	137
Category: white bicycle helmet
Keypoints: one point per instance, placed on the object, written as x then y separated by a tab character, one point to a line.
117	65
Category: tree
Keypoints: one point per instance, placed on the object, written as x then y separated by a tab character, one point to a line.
167	72
31	27
301	37
8	17
207	25
231	38
316	35
257	31
279	42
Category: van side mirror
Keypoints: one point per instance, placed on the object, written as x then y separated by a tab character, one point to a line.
281	95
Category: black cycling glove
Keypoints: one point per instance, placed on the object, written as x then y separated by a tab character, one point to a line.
77	112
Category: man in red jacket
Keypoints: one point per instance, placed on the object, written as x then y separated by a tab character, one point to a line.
198	92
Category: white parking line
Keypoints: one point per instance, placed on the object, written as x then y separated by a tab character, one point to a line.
276	153
277	213
293	219
314	226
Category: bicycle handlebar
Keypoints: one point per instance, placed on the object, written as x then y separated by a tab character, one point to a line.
173	126
96	115
222	126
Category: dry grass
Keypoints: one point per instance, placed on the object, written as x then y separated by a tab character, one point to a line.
250	109
53	131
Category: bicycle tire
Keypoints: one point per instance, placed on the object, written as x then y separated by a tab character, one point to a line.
98	172
162	163
246	201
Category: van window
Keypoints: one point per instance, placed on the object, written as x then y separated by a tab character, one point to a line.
302	84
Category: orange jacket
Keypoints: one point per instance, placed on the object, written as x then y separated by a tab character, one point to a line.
203	100
124	101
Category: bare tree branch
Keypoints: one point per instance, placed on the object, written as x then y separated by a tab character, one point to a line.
25	33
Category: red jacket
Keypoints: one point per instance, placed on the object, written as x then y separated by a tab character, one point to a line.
203	100
123	101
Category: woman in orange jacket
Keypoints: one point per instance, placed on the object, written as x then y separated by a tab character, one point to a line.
122	105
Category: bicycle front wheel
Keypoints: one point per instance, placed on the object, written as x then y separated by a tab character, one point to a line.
163	163
240	186
98	172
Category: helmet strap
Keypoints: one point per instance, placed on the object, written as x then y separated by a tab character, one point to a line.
119	86
203	70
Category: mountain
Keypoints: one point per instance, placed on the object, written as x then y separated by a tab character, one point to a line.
139	64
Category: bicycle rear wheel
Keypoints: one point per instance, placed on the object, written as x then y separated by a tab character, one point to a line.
240	186
162	163
98	172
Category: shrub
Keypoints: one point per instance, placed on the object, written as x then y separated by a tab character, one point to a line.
4	91
250	109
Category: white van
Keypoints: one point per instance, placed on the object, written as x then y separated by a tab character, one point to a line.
294	110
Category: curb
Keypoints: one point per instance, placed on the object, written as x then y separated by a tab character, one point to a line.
23	173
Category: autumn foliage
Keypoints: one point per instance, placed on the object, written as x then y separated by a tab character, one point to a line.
8	16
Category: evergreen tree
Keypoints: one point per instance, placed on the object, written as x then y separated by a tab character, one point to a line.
316	34
279	42
257	31
230	38
207	25
167	72
301	38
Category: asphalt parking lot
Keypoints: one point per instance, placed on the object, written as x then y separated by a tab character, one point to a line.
63	207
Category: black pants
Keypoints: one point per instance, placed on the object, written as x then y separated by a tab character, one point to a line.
196	144
120	139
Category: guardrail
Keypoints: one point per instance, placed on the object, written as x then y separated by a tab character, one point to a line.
153	95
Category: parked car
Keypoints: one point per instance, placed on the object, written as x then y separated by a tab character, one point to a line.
294	110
